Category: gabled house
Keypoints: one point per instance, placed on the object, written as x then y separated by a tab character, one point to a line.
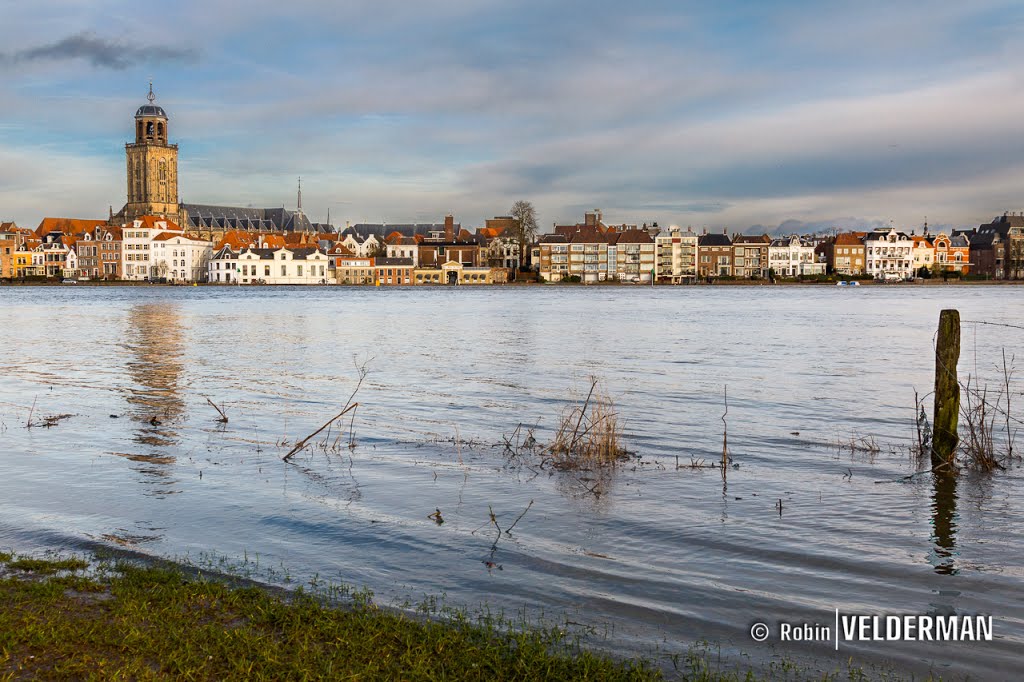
952	254
794	256
924	253
889	254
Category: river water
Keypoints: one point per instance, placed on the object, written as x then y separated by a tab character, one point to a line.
647	559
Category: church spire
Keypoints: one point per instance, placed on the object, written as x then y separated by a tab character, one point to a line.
300	195
151	97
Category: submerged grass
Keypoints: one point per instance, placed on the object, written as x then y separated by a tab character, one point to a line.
127	621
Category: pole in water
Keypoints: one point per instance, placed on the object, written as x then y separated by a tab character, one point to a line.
947	389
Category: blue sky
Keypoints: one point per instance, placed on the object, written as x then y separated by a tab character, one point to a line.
726	115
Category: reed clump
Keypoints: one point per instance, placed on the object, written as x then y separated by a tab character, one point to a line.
589	434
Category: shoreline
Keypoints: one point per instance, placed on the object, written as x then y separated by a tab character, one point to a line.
130	615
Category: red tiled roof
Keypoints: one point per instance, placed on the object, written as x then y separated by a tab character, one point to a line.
67	225
150	222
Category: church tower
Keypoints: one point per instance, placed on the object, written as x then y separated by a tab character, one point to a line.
152	166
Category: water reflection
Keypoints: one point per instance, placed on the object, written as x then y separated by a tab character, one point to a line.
944	518
154	363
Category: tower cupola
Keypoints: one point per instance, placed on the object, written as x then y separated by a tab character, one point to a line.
150	122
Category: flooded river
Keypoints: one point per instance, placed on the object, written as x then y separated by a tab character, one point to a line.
647	559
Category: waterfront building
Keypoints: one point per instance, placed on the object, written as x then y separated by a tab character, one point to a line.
675	256
794	256
988	253
848	253
10	243
1010	228
889	254
924	252
305	265
137	263
551	257
714	255
634	256
222	267
588	254
393	271
750	256
178	257
952	254
352	269
454	272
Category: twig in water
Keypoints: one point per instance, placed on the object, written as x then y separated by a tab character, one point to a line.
223	417
28	424
508	530
302	443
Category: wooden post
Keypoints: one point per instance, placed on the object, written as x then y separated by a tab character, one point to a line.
947	389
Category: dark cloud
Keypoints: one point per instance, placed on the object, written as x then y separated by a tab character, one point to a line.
100	52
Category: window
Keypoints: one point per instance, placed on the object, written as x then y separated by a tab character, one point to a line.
284	269
266	271
299	268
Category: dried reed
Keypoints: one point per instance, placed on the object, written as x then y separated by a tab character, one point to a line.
588	434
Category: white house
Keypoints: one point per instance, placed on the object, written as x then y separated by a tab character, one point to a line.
794	256
889	254
178	257
306	265
222	267
137	245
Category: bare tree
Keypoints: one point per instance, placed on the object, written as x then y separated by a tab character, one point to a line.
525	230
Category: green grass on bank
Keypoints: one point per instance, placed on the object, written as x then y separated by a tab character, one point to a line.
69	618
131	622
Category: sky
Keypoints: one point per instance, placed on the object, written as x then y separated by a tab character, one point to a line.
748	116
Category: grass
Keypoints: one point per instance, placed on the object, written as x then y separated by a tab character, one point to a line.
127	621
67	618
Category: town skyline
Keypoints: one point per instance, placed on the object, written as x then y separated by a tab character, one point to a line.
802	122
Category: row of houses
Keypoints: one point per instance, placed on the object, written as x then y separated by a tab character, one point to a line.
155	249
593	251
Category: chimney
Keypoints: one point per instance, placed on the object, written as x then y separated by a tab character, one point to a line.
449	228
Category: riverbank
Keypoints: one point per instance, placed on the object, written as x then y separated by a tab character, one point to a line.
69	617
60	619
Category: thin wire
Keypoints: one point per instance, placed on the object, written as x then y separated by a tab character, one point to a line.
992	324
